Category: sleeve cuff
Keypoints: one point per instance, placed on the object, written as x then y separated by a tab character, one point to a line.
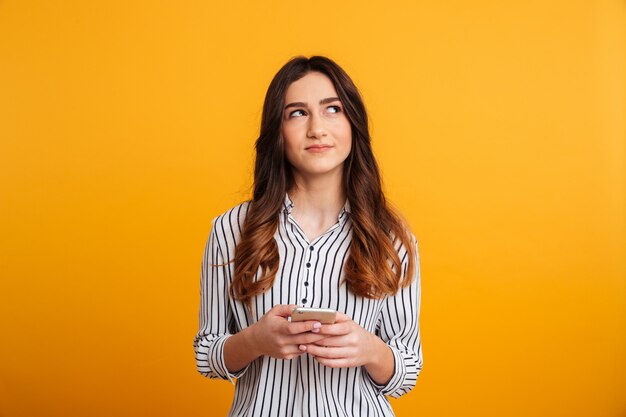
211	357
399	372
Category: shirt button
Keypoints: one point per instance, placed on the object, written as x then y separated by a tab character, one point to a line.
308	264
311	248
304	301
306	284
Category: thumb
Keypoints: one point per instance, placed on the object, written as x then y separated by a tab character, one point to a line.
284	310
342	317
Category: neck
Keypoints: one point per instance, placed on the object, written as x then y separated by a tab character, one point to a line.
322	196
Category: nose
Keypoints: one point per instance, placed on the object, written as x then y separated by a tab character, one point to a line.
316	128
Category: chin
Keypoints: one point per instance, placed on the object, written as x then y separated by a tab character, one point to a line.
319	171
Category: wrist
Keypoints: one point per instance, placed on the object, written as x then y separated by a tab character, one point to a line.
238	351
378	351
250	342
380	366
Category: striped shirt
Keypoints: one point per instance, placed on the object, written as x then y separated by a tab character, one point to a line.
309	274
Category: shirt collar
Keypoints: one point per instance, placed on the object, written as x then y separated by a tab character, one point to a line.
345	209
289	206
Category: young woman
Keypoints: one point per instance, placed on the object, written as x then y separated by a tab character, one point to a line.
318	232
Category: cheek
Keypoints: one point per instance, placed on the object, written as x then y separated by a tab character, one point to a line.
288	139
290	133
345	133
289	144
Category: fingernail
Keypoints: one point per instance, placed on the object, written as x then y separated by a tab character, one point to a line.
317	325
315	330
302	347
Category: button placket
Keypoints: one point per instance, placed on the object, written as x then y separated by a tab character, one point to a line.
301	236
308	265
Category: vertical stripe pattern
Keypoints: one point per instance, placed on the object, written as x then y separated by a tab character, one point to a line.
310	275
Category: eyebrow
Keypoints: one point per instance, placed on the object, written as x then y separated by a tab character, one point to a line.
322	101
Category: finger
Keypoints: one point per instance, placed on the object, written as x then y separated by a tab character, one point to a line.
291	356
336	329
331	341
327	352
335	363
289	352
340	317
283	310
307	339
303	326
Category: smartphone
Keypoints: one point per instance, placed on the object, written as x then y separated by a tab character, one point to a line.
323	315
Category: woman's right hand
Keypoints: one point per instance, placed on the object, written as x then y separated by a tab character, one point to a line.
274	335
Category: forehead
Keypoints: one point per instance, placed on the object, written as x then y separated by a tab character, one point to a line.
312	87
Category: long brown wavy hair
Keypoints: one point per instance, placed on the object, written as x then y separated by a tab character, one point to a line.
373	268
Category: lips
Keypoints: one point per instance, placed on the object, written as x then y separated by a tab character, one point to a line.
318	148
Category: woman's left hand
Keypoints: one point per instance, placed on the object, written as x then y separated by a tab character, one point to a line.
347	345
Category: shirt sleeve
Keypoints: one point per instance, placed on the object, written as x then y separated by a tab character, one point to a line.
399	328
215	315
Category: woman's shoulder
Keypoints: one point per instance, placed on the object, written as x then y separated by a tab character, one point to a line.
401	248
230	222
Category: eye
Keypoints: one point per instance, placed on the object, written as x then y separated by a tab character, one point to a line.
334	109
293	113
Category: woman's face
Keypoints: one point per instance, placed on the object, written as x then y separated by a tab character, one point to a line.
316	131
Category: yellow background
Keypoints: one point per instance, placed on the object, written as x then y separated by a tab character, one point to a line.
126	126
